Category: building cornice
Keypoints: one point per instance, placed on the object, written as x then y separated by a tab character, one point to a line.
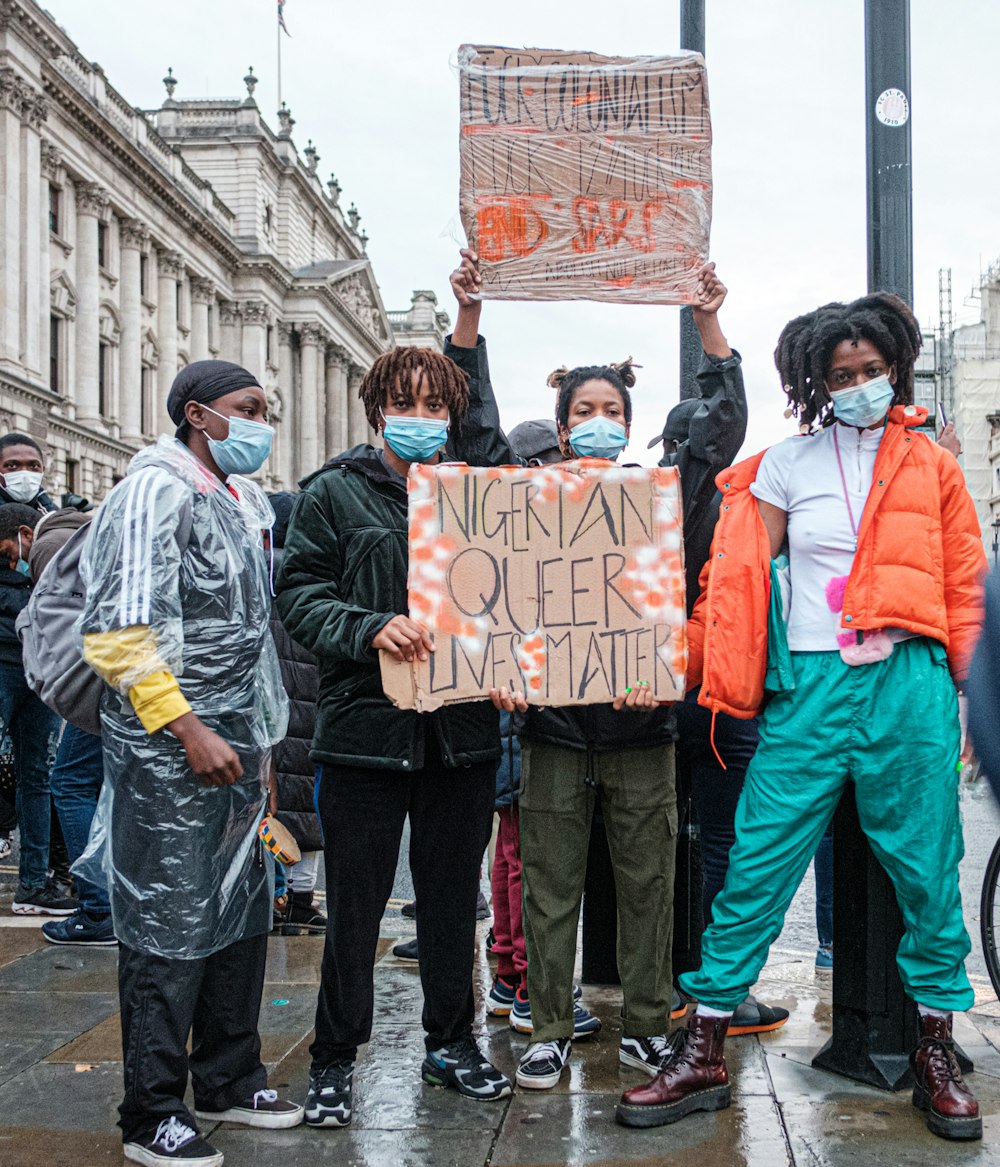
121	152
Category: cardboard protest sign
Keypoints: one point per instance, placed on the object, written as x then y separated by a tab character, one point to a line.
564	581
585	177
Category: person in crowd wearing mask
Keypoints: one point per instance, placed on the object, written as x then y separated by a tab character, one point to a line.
292	798
78	773
885	558
571	756
176	623
32	727
342	594
22	469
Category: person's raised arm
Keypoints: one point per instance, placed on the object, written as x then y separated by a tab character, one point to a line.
465	283
478	440
711	295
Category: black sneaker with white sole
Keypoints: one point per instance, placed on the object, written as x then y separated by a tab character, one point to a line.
328	1102
460	1064
263	1109
43	901
174	1142
542	1064
649	1054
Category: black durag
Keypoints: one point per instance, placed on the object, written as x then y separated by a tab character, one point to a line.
204	382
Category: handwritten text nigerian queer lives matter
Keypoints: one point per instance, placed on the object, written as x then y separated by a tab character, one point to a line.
585	177
565	582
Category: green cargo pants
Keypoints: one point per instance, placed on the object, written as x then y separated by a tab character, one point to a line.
639	805
892	729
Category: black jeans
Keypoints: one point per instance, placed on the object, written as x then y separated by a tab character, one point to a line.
362	812
714	791
217	1001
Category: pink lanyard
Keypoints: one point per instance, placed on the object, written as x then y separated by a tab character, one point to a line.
843	483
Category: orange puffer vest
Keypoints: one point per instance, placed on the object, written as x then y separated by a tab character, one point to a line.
919	565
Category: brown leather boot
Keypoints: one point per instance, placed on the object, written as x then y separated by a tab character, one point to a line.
697	1078
952	1110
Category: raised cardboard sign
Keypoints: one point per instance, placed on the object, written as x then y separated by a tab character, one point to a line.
585	177
565	582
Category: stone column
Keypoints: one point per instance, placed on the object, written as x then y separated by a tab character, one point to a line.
31	236
253	356
311	338
170	267
229	331
11	99
336	403
202	295
286	432
91	200
358	432
51	169
134	237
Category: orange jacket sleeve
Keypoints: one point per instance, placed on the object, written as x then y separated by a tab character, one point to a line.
964	566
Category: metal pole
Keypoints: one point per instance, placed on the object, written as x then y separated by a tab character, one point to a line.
693	40
888	137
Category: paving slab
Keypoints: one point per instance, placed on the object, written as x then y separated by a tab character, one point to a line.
54	969
27	1146
883	1131
48	1097
35	1014
580	1131
18	942
354	1147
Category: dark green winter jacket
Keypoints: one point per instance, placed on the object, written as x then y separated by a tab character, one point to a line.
342	577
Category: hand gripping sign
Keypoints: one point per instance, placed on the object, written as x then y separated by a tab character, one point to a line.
585	177
565	582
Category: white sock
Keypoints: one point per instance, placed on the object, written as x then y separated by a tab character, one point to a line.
708	1011
945	1014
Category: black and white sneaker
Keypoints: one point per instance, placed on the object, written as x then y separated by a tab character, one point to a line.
264	1109
328	1102
649	1054
462	1065
43	901
174	1142
541	1067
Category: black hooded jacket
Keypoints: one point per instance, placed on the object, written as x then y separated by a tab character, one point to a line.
343	577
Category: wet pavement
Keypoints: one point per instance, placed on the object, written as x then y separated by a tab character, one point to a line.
60	1067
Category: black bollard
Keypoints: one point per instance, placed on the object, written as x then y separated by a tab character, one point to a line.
874	1022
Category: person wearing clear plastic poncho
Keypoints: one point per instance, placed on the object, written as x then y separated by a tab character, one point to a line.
176	623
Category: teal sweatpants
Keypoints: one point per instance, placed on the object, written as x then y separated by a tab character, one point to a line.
892	729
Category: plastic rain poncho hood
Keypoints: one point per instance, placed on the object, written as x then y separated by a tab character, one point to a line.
176	557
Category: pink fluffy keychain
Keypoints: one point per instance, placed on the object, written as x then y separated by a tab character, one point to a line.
876	644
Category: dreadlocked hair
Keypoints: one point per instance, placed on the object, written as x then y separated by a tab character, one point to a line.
566	382
805	350
392	376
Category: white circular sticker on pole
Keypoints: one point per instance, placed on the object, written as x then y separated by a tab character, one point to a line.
892	108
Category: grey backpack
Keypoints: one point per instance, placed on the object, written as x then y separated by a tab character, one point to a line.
53	656
51	651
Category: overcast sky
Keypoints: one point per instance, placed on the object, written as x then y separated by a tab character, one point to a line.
374	85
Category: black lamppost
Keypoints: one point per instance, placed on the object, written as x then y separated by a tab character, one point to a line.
692	40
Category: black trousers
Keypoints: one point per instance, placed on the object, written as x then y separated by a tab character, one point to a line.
362	812
217	1001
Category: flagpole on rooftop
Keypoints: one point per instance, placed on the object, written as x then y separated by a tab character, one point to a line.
277	29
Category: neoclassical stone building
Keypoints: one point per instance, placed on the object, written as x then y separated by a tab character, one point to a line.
133	242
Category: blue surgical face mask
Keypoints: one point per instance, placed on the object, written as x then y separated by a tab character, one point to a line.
598	437
22	563
247	447
414	439
863	405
